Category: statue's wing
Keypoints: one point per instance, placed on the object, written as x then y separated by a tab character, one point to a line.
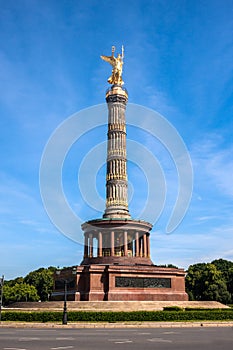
108	59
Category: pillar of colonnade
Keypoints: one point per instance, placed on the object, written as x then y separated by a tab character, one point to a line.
139	244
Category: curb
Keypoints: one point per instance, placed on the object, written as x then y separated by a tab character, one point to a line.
116	325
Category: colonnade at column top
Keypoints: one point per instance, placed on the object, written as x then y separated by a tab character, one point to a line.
115	243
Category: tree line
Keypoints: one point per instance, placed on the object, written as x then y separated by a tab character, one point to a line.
204	281
37	285
211	281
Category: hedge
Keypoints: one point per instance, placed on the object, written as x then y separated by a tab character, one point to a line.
140	316
173	308
207	309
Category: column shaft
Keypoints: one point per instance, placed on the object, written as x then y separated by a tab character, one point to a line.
112	243
137	244
91	245
148	245
125	244
117	204
86	246
100	244
144	245
140	246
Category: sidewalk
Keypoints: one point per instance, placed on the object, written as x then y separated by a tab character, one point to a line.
6	324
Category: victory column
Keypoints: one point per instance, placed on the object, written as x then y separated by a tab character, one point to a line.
116	263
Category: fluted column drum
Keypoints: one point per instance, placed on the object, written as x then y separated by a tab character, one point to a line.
116	177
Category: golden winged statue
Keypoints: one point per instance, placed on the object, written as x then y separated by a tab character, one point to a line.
117	67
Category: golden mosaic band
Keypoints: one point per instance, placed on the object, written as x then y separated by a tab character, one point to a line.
115	201
117	127
117	152
116	177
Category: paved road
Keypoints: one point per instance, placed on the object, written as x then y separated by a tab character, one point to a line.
199	338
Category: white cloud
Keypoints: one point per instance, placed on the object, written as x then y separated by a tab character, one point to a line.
185	248
213	164
206	218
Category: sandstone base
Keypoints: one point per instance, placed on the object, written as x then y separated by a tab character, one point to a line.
123	283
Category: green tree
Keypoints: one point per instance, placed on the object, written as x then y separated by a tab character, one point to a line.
42	280
168	265
11	283
217	291
206	282
226	267
19	292
194	281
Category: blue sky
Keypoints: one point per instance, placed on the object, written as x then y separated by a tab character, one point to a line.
178	62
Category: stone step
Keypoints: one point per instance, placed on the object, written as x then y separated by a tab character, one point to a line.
114	305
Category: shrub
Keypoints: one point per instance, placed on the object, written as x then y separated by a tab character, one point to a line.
173	308
139	316
206	309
